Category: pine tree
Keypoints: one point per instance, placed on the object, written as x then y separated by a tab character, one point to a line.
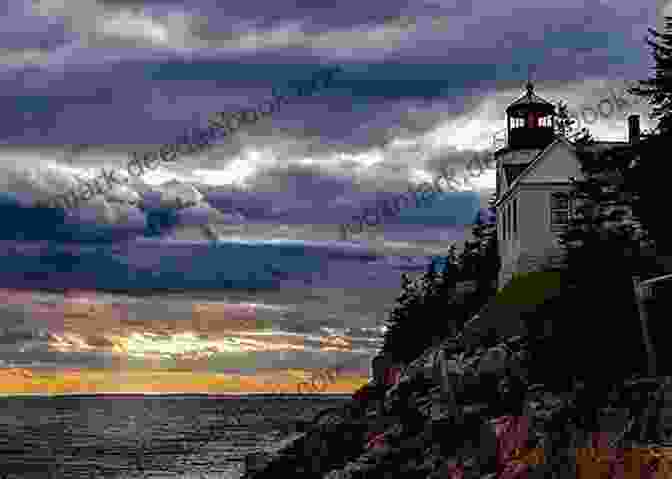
443	300
430	308
645	181
566	125
429	282
399	334
658	90
603	221
622	192
480	257
647	175
603	241
617	219
450	273
425	311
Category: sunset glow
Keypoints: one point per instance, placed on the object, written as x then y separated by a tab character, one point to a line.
25	381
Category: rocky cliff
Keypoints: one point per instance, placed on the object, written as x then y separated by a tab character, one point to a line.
473	412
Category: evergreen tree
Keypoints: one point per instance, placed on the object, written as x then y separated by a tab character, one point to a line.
597	311
616	223
426	311
400	338
480	258
565	124
621	193
603	222
645	181
449	273
647	175
658	90
449	307
429	284
433	298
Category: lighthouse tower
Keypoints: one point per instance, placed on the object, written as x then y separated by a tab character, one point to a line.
529	129
527	229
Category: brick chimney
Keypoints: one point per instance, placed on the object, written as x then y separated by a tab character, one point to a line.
633	129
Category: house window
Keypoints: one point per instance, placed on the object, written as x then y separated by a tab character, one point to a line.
500	229
503	223
508	221
515	217
560	211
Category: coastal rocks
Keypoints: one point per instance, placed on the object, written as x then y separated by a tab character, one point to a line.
356	469
494	360
461	421
326	446
330	417
384	370
255	462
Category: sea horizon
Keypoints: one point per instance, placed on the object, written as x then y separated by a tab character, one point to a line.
186	395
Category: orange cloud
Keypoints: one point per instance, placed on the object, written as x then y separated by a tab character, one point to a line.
336	343
16	372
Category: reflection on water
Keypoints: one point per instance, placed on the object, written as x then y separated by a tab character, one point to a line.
150	436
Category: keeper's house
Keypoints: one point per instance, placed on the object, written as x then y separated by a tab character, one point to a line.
533	172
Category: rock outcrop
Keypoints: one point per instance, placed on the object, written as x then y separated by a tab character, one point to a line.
462	411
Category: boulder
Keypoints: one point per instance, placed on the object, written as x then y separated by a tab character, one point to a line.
494	361
378	366
385	370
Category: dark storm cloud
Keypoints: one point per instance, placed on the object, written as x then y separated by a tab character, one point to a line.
566	34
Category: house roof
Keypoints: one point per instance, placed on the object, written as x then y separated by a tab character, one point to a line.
531	166
513	171
598	146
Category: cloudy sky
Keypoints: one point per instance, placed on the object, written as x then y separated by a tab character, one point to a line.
253	277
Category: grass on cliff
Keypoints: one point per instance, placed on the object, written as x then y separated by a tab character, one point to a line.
529	290
522	295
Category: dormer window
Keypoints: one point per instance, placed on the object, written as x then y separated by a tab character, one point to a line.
561	210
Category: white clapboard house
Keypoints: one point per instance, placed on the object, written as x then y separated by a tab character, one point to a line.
533	181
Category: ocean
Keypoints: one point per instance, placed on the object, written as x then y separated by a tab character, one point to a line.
143	436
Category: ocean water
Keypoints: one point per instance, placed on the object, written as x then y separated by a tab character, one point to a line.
147	436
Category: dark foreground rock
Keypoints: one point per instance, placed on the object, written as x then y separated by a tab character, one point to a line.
495	424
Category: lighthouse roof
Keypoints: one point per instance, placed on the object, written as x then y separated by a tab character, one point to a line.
530	102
